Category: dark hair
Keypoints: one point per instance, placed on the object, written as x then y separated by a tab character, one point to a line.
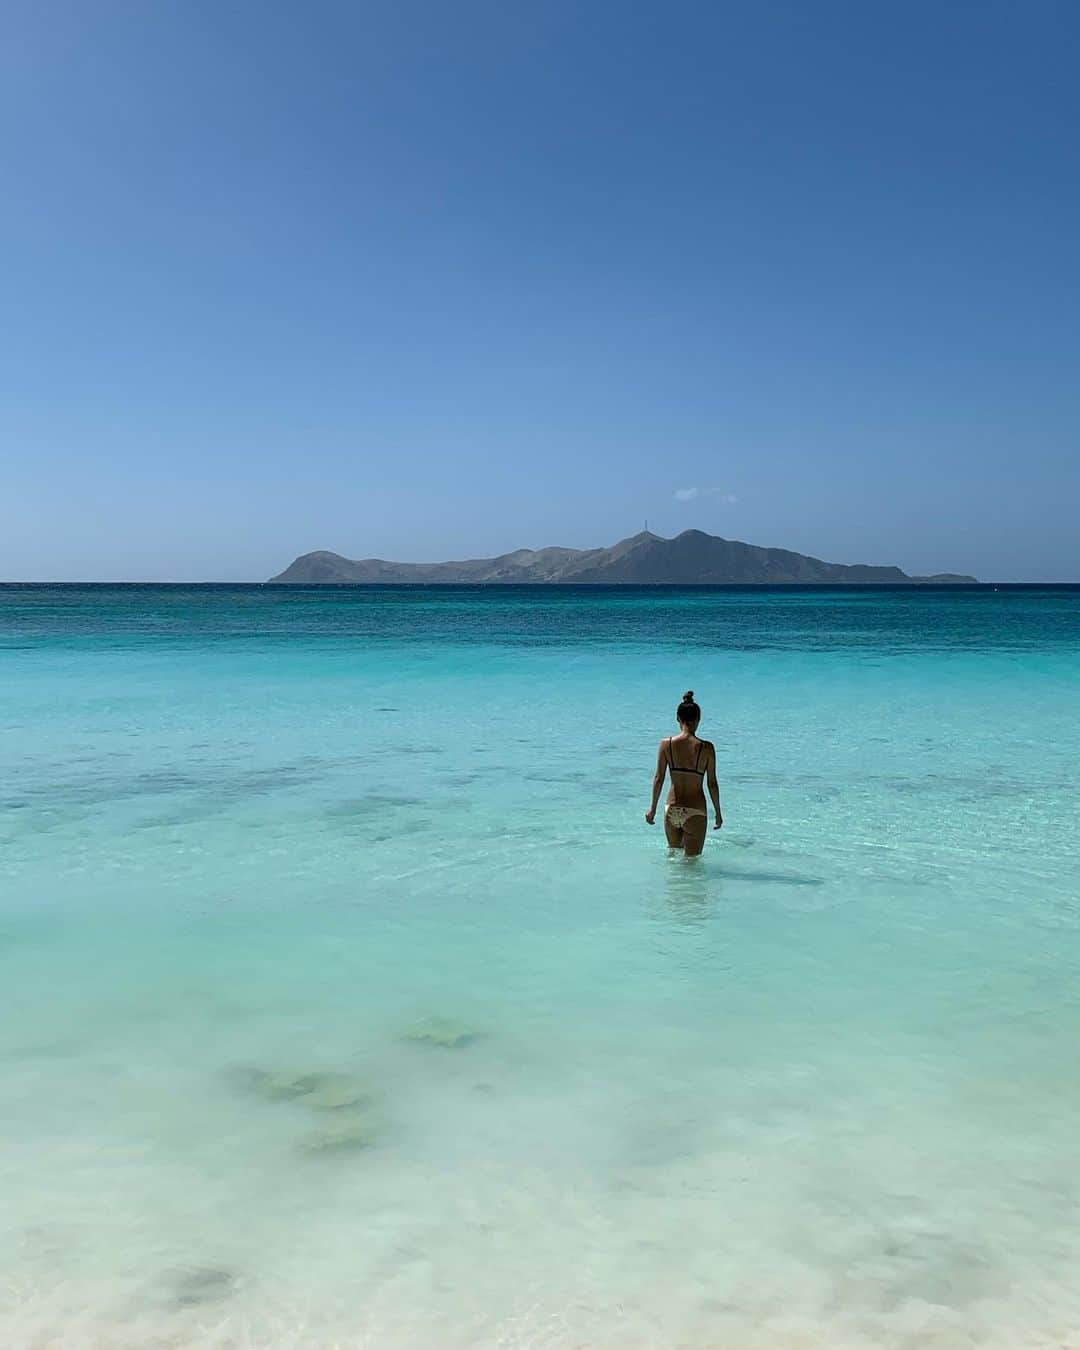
688	712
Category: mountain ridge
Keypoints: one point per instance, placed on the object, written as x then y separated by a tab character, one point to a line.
690	558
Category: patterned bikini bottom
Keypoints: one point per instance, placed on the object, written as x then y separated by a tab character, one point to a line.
679	815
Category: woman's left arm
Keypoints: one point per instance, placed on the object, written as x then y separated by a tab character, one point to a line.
657	783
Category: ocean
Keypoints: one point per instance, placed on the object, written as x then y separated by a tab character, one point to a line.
350	1002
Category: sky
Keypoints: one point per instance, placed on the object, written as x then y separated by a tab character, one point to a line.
425	280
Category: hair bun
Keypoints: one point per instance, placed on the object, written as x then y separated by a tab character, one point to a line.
688	697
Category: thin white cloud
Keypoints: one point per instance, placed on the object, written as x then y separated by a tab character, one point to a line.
689	494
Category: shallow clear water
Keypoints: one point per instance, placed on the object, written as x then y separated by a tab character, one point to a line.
350	1001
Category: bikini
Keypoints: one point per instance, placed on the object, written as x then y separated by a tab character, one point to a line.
679	815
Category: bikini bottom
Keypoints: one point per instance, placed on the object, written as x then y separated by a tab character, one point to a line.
679	815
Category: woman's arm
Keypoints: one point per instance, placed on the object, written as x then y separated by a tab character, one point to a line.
714	786
657	782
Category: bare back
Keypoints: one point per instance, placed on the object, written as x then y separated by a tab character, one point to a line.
688	760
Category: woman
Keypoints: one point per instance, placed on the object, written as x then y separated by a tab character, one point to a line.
691	762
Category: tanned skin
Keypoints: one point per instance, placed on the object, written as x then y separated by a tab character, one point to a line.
687	789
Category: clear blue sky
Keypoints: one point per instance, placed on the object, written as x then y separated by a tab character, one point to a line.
430	280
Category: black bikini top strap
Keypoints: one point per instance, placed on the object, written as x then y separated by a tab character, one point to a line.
670	756
697	762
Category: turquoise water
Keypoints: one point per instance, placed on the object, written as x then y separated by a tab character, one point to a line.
350	1001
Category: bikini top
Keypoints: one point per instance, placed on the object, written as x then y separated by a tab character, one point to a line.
678	768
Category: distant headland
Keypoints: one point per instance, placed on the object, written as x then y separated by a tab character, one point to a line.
691	558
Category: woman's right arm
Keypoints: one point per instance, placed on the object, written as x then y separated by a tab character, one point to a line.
714	787
657	783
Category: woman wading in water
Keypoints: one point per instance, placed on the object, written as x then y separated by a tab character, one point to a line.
692	762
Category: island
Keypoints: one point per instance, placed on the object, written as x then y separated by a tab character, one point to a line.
692	558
